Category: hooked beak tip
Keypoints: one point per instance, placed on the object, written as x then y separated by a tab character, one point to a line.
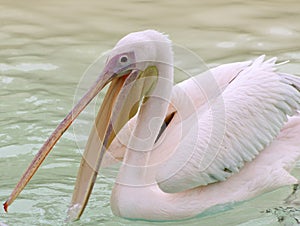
5	207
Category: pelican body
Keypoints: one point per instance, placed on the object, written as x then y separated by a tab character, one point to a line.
226	135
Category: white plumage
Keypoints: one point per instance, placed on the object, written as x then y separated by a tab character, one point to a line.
234	128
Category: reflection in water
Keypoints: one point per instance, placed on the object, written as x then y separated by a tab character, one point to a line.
45	49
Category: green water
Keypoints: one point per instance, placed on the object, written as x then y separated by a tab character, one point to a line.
45	48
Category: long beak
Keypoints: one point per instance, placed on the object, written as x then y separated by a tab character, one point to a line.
119	105
102	80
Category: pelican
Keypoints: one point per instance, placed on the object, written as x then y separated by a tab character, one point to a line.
226	135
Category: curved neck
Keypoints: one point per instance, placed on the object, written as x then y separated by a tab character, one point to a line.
149	120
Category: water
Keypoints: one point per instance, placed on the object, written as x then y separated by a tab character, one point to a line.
45	47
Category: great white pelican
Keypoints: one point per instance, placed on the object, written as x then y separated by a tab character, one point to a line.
223	136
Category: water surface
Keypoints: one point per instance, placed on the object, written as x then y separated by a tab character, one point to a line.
45	47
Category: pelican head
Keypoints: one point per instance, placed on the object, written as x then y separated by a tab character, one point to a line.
132	68
142	49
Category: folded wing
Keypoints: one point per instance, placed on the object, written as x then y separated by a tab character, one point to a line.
231	128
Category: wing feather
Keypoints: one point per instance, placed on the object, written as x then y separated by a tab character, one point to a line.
231	129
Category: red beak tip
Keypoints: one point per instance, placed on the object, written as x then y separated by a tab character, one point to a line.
5	206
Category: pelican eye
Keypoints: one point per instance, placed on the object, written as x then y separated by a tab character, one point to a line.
123	59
